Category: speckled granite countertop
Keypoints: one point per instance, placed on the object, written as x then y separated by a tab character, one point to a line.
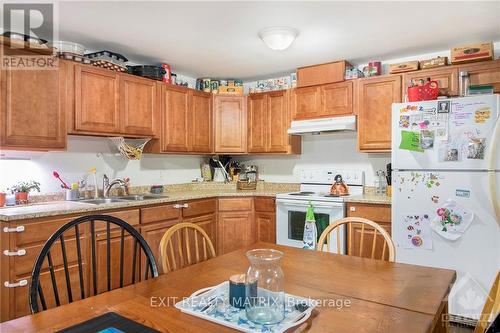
173	193
370	198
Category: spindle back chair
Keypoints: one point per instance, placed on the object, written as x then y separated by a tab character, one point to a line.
178	242
81	226
374	230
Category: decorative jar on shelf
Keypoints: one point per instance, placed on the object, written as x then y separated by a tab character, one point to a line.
265	283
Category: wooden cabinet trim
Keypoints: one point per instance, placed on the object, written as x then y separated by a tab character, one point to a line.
235	204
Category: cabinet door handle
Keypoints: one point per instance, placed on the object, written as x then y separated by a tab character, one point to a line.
21	283
178	206
19	228
185	205
20	252
352	209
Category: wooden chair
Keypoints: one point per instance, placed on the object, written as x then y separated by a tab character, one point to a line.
179	249
491	307
71	238
375	229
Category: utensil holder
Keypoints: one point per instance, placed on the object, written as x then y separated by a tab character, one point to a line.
72	195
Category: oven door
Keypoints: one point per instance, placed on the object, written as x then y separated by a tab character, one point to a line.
291	216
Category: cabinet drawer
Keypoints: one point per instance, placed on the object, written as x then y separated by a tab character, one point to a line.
265	204
24	264
199	207
235	204
130	216
374	212
36	231
160	213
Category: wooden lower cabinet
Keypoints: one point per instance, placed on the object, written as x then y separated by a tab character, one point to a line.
266	227
153	233
374	212
17	268
235	227
234	231
265	219
230	222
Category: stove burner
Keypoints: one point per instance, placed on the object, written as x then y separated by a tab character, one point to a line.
302	193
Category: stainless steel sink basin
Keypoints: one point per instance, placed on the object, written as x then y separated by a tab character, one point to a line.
140	197
101	201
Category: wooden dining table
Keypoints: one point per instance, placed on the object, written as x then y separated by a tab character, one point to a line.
354	295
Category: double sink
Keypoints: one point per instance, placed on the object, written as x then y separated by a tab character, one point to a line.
137	197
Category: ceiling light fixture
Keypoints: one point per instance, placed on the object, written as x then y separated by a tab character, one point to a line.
278	38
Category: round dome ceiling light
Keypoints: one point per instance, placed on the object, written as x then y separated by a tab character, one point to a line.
278	38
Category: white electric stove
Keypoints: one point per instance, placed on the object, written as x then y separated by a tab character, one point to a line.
315	189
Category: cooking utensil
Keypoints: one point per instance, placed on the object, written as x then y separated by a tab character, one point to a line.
56	175
389	174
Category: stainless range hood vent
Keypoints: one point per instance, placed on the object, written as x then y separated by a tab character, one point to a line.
321	125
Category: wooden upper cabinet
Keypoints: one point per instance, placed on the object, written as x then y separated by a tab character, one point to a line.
257	123
322	73
201	122
306	103
484	73
138	105
447	78
175	119
337	99
96	100
374	102
230	115
32	109
278	122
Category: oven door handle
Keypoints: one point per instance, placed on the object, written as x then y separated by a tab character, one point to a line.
317	204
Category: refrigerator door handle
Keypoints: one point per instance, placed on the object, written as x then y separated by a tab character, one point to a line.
492	167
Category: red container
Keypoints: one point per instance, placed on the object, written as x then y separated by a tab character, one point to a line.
2	199
167	78
429	91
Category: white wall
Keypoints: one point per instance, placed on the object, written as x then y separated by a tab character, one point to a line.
84	153
335	149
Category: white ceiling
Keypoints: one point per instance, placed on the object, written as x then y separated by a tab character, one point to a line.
220	38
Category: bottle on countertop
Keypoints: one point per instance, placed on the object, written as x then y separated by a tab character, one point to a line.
310	231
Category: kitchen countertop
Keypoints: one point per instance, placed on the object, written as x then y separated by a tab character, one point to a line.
74	207
370	198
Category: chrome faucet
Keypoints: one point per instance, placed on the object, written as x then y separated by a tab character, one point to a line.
107	185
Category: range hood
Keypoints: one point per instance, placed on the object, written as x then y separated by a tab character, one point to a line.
347	123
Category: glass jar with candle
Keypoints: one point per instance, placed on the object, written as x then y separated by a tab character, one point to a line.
266	303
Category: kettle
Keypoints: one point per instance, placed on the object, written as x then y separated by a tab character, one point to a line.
339	187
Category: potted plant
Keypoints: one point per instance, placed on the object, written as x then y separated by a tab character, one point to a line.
23	188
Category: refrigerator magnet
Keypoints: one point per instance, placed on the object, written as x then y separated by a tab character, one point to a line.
451	220
476	148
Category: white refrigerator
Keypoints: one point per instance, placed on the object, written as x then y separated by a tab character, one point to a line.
446	190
